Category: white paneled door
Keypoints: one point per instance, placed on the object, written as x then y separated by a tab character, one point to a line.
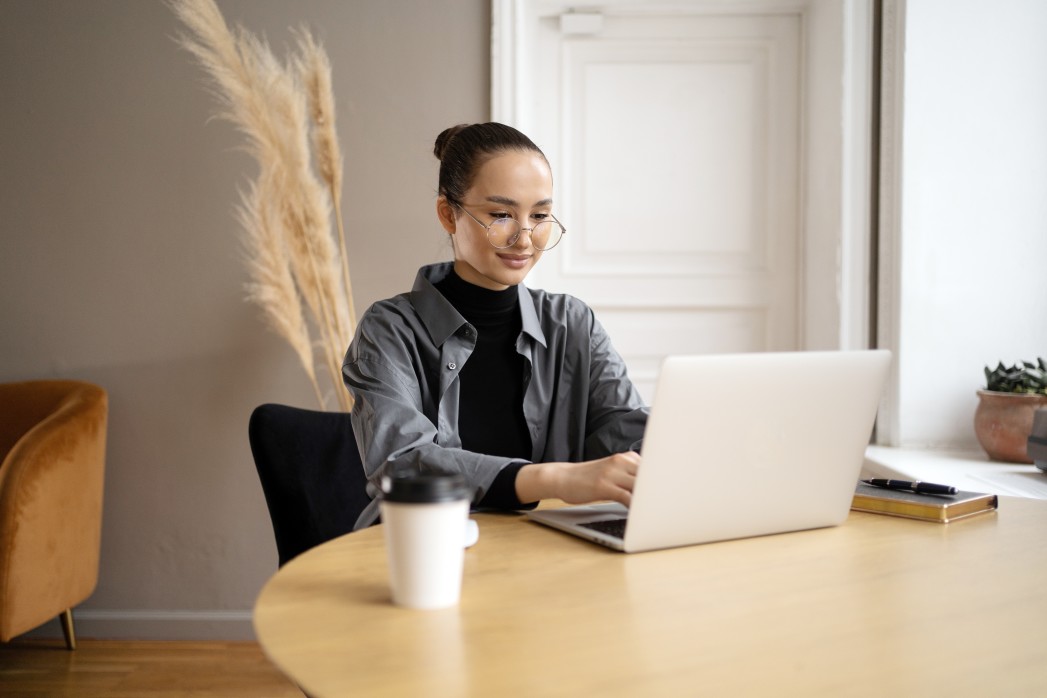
676	134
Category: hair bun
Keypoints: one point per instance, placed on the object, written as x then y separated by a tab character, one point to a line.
445	138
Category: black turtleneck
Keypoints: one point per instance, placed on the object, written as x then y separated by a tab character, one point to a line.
490	411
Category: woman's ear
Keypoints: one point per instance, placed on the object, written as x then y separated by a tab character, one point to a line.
445	211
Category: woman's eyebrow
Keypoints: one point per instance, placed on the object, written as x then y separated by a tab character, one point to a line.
506	201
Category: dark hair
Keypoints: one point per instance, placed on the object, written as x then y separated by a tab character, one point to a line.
463	148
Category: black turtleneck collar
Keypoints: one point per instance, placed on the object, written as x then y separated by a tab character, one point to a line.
479	306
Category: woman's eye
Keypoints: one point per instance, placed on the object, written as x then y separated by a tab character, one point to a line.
540	216
500	215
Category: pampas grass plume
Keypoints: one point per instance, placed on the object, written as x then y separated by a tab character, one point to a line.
286	112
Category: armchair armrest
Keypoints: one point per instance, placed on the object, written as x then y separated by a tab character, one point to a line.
51	483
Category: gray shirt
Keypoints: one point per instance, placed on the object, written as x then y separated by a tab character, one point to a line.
402	370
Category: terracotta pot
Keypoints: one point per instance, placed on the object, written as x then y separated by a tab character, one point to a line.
1003	422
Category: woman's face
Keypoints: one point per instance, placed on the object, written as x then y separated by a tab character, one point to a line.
515	184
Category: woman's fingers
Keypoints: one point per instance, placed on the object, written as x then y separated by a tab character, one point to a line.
618	477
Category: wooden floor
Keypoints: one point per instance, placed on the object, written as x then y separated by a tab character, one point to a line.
122	669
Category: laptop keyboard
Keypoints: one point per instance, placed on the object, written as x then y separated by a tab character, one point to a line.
613	527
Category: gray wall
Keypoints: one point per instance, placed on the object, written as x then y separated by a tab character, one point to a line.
119	260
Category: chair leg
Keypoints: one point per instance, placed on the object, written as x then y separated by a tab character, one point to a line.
67	629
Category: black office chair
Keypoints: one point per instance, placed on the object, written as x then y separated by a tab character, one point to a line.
311	475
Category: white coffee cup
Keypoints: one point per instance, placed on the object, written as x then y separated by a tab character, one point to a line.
424	517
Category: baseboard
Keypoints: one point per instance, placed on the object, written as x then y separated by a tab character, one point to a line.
153	625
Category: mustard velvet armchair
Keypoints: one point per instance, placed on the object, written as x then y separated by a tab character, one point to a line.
52	446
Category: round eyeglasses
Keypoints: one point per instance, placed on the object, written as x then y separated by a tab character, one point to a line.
505	232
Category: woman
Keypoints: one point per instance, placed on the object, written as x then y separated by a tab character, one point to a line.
471	372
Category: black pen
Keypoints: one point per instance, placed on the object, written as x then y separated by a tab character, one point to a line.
918	487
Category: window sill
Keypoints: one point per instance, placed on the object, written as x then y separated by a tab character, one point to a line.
966	470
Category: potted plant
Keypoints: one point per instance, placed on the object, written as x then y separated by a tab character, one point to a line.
1003	420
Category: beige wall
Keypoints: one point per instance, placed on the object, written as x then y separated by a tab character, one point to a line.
119	260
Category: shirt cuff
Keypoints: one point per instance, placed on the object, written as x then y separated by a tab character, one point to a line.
502	492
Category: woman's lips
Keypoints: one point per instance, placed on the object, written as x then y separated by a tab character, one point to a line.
514	261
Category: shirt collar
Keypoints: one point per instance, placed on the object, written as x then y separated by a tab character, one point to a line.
441	319
529	317
436	312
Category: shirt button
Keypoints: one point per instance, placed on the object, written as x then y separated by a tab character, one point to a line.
452	365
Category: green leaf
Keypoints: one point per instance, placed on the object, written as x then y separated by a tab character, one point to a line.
1022	377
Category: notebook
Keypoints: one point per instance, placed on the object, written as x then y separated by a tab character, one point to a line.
743	445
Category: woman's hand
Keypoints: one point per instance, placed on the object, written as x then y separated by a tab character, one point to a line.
611	478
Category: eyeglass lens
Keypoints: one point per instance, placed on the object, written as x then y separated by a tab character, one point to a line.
505	232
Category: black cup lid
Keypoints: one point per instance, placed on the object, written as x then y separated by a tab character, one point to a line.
429	487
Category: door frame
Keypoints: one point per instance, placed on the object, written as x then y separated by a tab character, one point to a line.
835	284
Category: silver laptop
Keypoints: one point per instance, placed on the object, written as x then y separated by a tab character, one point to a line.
743	445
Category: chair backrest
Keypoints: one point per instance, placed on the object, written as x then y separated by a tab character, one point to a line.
52	477
311	475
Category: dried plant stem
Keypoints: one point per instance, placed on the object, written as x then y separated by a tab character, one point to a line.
315	70
286	215
327	320
348	285
272	286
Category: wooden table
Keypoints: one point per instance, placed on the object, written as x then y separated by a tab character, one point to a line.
877	606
